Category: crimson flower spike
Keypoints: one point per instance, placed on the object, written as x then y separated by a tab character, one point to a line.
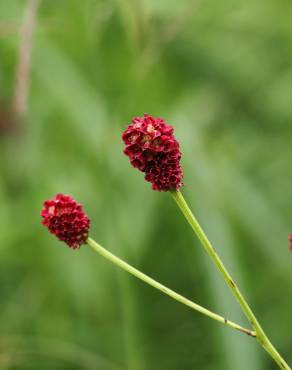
153	149
64	217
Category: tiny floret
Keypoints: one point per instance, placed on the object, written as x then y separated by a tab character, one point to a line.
153	149
64	217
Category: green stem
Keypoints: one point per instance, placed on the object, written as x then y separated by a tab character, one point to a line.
148	280
260	334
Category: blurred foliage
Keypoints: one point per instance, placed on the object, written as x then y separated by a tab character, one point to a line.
221	73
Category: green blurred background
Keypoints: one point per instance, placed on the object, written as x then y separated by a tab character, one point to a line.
221	73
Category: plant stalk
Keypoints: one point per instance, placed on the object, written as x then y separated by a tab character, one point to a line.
260	334
148	280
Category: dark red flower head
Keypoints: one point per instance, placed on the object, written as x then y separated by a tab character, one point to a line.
153	149
64	217
290	238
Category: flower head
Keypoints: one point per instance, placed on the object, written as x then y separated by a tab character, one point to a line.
290	238
153	149
64	217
